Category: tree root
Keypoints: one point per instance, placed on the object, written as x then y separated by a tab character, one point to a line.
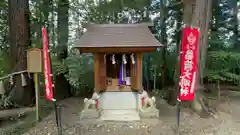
15	113
201	105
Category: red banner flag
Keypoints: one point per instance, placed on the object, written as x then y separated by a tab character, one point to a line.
47	68
189	60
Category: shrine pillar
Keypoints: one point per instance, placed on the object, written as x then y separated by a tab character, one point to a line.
99	72
136	73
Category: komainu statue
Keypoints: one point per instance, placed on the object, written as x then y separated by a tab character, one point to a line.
148	102
91	103
148	106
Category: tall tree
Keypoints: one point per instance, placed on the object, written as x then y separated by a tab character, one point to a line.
62	85
163	37
235	22
172	98
198	13
19	43
214	27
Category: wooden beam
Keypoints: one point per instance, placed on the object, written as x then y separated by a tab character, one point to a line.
117	49
16	112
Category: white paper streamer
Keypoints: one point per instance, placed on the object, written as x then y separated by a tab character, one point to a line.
113	59
124	59
132	58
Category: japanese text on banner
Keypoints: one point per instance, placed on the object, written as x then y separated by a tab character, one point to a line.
189	56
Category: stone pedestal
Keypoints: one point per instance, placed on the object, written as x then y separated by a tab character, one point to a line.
150	112
118	100
90	114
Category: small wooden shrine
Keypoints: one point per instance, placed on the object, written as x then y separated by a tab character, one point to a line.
118	52
118	47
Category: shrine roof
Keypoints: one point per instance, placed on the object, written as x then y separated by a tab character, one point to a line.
117	35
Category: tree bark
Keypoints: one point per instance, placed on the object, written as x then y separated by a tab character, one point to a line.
172	98
197	14
236	37
163	39
62	86
201	18
19	43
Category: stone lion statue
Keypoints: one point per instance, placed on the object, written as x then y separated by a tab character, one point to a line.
91	103
148	101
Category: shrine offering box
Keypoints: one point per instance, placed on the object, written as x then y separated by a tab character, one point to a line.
112	83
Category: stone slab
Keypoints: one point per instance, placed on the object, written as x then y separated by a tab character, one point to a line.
149	113
90	114
120	115
118	100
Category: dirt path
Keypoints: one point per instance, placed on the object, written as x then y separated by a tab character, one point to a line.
227	123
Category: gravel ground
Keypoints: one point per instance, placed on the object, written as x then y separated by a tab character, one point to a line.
226	123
